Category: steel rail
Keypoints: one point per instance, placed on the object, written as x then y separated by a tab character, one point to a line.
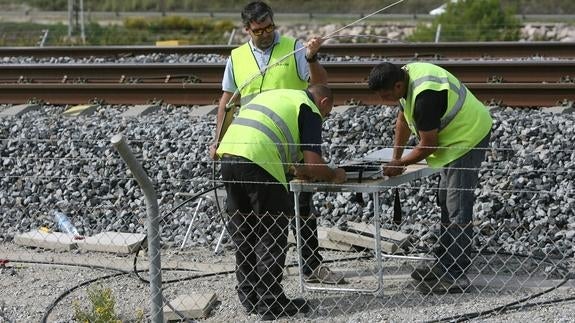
446	50
509	94
346	72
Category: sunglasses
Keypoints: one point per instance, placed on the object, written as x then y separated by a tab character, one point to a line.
260	31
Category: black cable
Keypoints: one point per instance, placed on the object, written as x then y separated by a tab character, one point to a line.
499	309
458	318
120	272
515	304
135	271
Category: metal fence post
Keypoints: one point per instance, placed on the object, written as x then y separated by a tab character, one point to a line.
152	210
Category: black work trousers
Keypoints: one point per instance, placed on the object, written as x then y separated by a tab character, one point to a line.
310	244
259	207
456	198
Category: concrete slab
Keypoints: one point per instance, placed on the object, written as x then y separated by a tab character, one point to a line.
197	305
396	237
343	108
140	110
18	110
81	110
324	241
556	109
114	242
47	240
204	110
359	240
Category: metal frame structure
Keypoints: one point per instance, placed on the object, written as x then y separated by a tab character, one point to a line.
373	187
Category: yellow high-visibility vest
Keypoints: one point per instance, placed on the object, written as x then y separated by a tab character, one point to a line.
465	122
283	75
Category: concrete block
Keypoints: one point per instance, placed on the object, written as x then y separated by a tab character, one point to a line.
197	305
114	242
204	110
18	110
359	240
324	241
167	43
364	229
342	108
81	110
47	240
140	110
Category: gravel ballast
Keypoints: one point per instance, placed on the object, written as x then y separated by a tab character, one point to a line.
525	205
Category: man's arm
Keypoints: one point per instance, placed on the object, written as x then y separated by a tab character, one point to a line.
426	146
317	73
315	168
402	134
223	121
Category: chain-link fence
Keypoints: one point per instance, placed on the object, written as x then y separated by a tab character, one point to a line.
220	266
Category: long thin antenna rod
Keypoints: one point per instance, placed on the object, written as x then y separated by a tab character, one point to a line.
230	103
363	18
263	70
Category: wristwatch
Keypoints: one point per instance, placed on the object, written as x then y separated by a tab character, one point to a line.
312	59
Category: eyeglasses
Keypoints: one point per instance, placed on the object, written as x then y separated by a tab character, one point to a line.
260	31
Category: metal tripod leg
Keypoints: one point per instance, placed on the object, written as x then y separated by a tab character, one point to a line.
191	223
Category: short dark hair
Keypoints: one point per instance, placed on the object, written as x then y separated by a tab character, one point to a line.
384	76
256	11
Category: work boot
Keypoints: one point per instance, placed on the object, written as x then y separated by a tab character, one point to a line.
324	275
424	272
285	307
445	285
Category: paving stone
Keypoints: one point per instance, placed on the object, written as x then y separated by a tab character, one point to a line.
47	240
114	242
196	305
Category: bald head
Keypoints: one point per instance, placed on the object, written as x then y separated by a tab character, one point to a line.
323	98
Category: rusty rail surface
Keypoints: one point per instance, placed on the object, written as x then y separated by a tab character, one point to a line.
509	94
510	82
447	50
345	72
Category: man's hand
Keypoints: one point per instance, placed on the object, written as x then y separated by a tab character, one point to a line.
213	148
340	176
313	46
394	168
299	172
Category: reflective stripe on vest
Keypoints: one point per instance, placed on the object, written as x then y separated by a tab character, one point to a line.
283	128
461	93
247	98
259	126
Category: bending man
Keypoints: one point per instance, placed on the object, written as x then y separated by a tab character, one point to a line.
453	128
271	134
265	47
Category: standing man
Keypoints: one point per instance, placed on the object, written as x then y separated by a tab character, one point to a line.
266	47
270	135
453	128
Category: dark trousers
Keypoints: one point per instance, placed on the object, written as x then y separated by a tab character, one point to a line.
259	207
310	244
456	198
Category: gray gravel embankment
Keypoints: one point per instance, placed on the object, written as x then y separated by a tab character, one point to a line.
525	203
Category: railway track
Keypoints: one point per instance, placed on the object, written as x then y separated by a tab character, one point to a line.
447	50
517	82
510	94
511	83
344	72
